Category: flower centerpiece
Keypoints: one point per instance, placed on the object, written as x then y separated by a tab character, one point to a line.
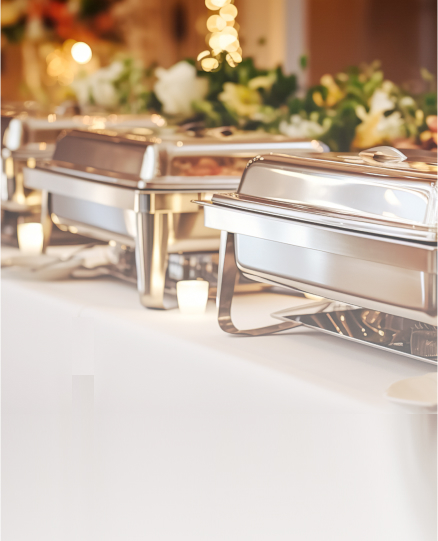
354	109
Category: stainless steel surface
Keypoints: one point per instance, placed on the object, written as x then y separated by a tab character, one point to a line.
394	157
227	280
28	136
138	190
352	260
172	161
370	327
325	190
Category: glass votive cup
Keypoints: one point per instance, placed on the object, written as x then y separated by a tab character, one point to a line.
30	238
192	296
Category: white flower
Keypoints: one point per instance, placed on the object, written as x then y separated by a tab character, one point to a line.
104	93
376	128
407	101
111	72
178	87
380	102
266	114
81	88
240	99
263	81
99	86
300	128
391	127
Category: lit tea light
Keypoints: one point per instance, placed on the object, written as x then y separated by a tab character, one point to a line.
30	238
192	296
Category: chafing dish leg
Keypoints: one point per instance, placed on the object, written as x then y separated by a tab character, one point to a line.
151	260
46	219
227	279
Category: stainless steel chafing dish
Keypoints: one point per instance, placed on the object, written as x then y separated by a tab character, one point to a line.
135	191
358	230
29	135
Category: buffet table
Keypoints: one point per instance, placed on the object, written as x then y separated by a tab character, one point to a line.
125	423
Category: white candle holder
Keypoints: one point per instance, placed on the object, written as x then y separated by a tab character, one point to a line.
192	296
30	238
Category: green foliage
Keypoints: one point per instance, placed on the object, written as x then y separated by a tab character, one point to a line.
91	8
342	131
303	61
343	110
15	32
283	88
132	93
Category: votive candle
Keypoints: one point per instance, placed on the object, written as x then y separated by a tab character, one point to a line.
192	296
30	238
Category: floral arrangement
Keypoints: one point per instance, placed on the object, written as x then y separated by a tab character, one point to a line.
82	20
121	87
357	108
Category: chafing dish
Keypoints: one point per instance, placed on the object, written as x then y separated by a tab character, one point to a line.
135	191
357	230
29	135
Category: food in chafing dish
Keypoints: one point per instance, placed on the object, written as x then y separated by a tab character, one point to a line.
359	230
136	191
200	167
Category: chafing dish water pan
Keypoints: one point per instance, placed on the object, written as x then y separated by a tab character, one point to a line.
136	191
359	230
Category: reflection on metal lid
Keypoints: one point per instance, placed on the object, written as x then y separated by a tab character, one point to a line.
174	160
341	191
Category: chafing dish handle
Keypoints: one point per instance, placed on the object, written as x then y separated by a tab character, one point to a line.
228	276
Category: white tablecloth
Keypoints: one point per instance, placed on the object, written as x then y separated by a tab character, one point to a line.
121	423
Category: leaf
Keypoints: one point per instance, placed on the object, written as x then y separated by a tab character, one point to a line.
154	103
282	89
303	61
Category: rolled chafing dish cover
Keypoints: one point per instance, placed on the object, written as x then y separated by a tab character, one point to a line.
29	134
137	189
360	229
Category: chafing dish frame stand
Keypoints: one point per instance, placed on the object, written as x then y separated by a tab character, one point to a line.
151	252
152	221
228	274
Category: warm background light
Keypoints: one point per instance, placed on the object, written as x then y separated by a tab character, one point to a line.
223	38
81	52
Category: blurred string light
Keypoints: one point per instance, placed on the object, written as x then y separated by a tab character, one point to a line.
223	38
62	62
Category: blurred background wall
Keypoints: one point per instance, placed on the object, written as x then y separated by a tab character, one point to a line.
401	33
332	33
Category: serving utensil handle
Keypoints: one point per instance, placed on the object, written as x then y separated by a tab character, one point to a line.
227	279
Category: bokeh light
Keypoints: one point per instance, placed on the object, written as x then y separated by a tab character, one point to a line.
222	38
81	52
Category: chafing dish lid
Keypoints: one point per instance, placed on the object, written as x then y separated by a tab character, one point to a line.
164	160
21	127
381	191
